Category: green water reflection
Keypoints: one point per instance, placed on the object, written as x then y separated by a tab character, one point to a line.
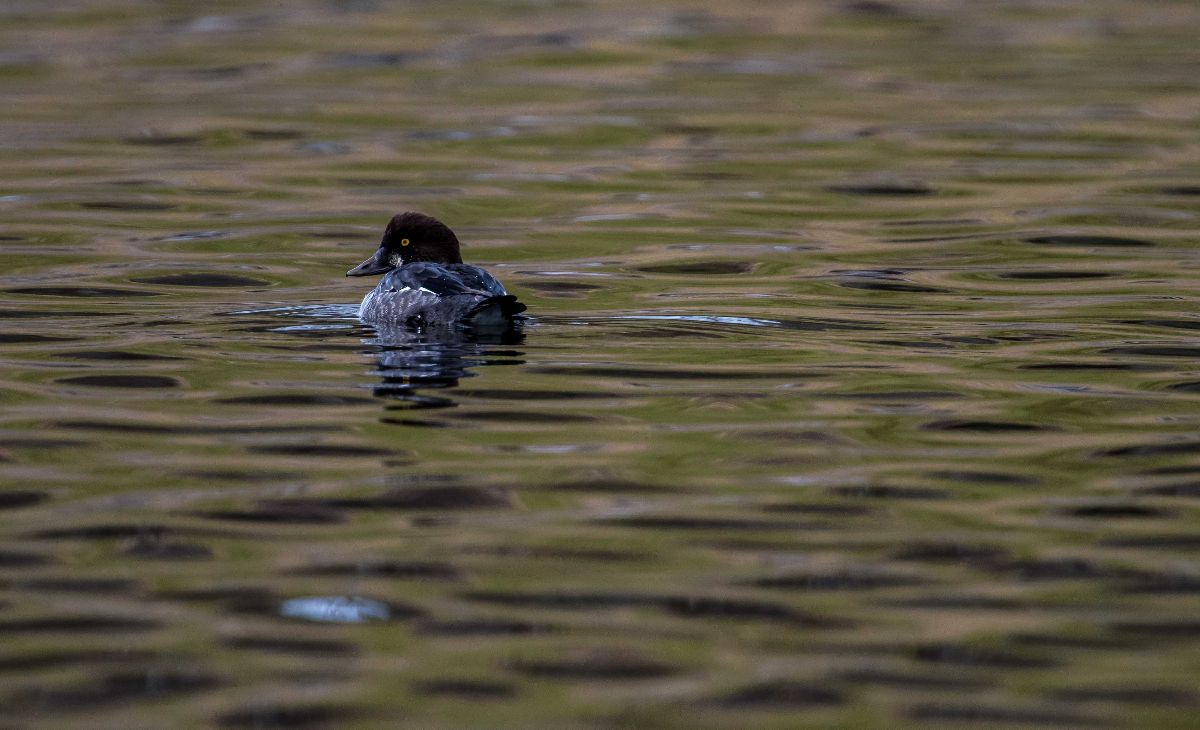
859	388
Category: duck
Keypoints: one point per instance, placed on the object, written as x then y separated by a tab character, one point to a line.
426	283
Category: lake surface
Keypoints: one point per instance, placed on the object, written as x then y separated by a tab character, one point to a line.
861	384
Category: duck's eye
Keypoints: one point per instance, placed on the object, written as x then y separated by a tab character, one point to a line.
404	241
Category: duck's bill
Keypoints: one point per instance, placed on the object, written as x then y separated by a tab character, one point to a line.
377	264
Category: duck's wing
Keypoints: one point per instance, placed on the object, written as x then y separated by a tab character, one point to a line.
478	279
440	279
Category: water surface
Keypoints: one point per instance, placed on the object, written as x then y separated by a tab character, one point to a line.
860	386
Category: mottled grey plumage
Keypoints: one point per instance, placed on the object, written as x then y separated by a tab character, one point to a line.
427	293
426	282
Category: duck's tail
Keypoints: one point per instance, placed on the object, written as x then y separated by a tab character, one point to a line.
495	311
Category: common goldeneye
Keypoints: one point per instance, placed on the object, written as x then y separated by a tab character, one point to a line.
426	283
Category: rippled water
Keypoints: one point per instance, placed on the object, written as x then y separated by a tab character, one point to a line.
860	386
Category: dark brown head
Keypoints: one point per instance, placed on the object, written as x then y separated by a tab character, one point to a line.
411	237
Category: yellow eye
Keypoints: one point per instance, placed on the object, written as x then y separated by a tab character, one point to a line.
404	242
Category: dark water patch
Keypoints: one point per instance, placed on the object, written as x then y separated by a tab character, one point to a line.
905	190
484	627
83	291
1086	240
783	694
148	684
16	498
1179	324
99	586
240	475
163	140
273	134
1184	628
1053	275
901	679
81	624
1154	696
154	547
333	451
349	60
983	426
1181	489
428	498
840	580
915	395
1099	642
1173	470
977	656
131	206
1183	541
1186	190
701	523
73	658
294	399
124	531
979	713
891	286
738	609
1069	568
121	381
1161	449
526	417
203	280
601	555
810	508
753	544
873	8
247	595
38	314
1085	366
700	267
117	355
569	600
279	512
958	603
560	288
464	689
611	486
883	491
912	344
292	645
1163	583
22	559
299	716
1115	511
587	371
19	338
596	666
1187	386
1153	351
425	570
415	423
985	477
950	552
826	325
410	401
534	395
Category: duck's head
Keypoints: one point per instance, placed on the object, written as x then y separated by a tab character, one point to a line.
411	237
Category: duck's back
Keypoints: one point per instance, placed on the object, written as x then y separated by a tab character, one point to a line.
427	293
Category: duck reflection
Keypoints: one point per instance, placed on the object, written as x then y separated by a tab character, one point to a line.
416	359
